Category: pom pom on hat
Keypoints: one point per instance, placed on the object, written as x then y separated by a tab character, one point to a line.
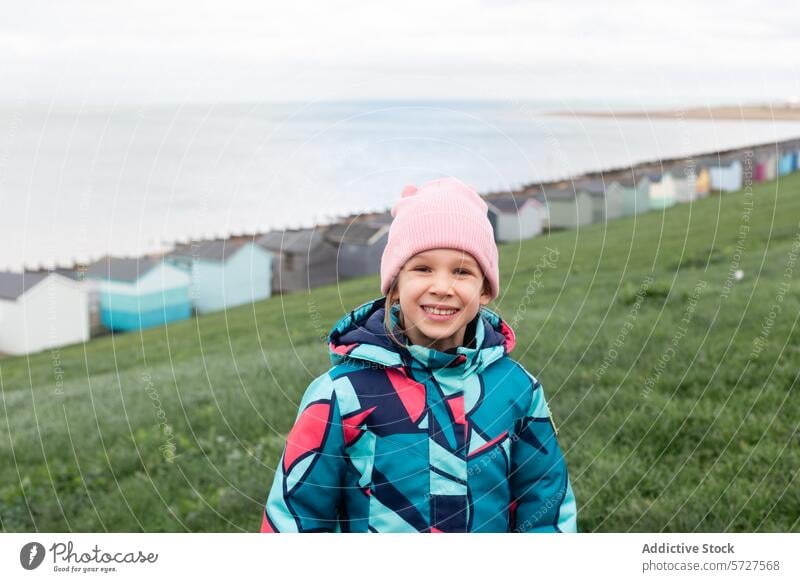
409	190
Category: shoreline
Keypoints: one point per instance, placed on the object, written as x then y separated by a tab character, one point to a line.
767	112
45	253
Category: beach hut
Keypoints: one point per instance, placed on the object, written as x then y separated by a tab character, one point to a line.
140	293
785	162
702	183
662	192
360	244
765	164
634	193
515	217
78	274
759	170
686	188
684	173
566	207
302	258
726	175
770	166
225	273
40	311
607	198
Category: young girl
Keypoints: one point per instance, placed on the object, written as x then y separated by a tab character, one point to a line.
424	423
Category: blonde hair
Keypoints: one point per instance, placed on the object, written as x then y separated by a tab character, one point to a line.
387	314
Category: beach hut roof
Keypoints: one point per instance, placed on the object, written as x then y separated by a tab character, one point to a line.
593	187
378	218
69	273
654	178
509	203
358	233
629	181
722	159
293	241
209	250
118	269
560	192
12	285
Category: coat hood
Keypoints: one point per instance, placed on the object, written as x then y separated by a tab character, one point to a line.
361	336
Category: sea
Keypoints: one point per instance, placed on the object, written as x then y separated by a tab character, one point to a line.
81	181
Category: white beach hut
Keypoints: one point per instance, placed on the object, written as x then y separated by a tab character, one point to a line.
39	311
726	176
565	206
515	217
663	192
607	198
686	188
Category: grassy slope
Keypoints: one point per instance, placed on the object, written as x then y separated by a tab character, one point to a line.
714	446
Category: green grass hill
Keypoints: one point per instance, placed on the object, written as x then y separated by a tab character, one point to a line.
673	385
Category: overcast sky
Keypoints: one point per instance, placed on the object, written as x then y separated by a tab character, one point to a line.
243	50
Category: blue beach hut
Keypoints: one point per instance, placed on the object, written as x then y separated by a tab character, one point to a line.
785	164
225	273
139	293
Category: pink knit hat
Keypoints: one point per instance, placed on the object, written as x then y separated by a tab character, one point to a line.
442	214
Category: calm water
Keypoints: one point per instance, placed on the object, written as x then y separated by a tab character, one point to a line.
77	183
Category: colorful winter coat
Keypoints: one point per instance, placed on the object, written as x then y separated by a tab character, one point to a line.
418	440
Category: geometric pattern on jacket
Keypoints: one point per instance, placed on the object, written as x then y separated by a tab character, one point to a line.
419	440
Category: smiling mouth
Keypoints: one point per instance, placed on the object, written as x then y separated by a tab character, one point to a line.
440	312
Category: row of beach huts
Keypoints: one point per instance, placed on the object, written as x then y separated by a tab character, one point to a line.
44	309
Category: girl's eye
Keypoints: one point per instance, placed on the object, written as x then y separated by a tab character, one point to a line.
459	271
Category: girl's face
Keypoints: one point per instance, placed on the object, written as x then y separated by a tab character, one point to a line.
440	292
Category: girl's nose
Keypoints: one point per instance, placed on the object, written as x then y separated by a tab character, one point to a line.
442	284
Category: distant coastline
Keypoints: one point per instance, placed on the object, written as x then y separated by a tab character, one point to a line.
129	182
780	112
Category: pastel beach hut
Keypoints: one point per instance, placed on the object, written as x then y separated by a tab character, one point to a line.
759	167
634	192
360	246
140	293
702	183
662	191
770	166
515	217
225	273
566	206
303	258
607	198
40	311
764	165
684	174
726	175
785	162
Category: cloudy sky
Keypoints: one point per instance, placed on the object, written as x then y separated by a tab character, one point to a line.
246	50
